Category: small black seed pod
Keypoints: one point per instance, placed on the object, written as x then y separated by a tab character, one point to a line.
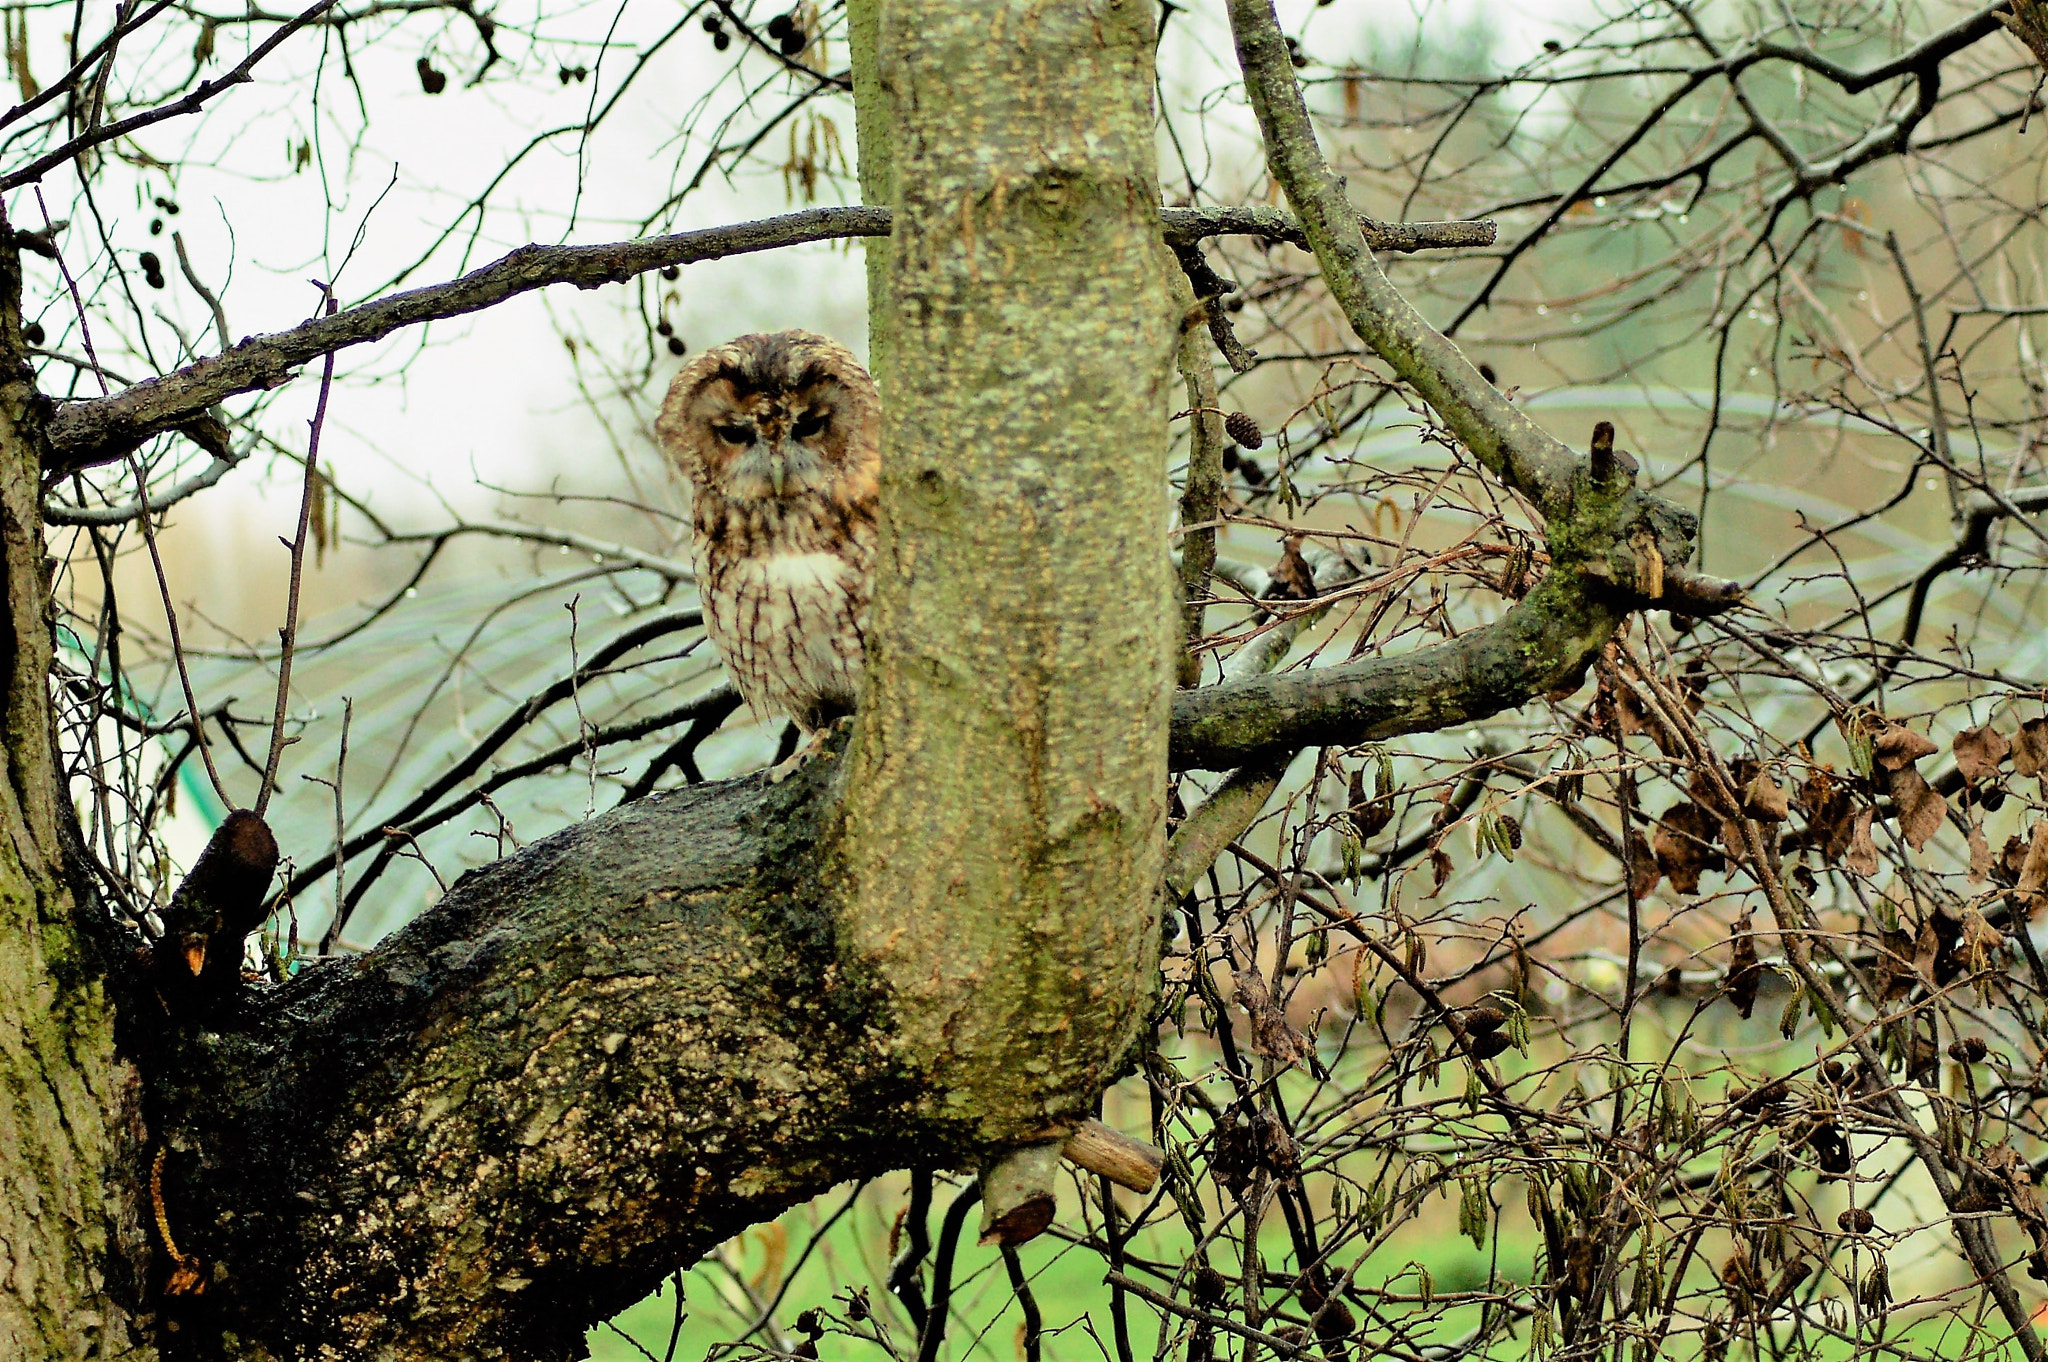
793	42
711	23
1244	430
664	328
156	226
676	346
431	80
671	272
1969	1050
149	262
779	25
1855	1220
33	333
721	40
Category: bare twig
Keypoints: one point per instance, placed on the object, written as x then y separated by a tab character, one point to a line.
288	636
86	433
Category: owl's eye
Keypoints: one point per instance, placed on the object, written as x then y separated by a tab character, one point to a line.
809	425
734	435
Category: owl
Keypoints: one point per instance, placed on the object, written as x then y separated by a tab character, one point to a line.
779	436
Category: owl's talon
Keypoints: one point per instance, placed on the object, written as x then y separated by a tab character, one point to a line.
812	748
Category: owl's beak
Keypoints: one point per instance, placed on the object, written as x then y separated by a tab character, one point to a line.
778	472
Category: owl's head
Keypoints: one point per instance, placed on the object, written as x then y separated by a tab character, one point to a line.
774	418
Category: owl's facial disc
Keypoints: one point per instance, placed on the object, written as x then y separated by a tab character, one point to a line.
773	448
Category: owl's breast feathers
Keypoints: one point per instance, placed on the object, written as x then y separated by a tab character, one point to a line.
785	591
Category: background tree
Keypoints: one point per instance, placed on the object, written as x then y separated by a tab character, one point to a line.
1481	824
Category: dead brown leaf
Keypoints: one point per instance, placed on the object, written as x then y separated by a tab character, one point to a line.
1825	803
1980	752
1291	577
1684	845
2033	875
1899	747
1860	857
1980	857
1744	974
1979	943
1922	810
1439	869
1764	799
2030	748
1643	861
1272	1037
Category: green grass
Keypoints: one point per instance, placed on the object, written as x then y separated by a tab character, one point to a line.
1066	1279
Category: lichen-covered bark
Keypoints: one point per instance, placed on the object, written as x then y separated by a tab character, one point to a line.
69	1227
1004	813
877	168
589	1064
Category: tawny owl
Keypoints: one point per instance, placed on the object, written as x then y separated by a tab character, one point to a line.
779	436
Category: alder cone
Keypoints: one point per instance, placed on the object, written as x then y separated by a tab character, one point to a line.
1483	1020
1488	1045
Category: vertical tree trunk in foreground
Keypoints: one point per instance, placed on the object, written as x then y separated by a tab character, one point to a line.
69	1159
1006	786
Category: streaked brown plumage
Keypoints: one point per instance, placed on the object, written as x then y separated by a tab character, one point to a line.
779	436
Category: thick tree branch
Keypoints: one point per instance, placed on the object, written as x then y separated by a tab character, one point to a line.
1542	644
590	1062
82	434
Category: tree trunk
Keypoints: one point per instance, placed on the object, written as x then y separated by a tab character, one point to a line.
70	1217
1006	792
